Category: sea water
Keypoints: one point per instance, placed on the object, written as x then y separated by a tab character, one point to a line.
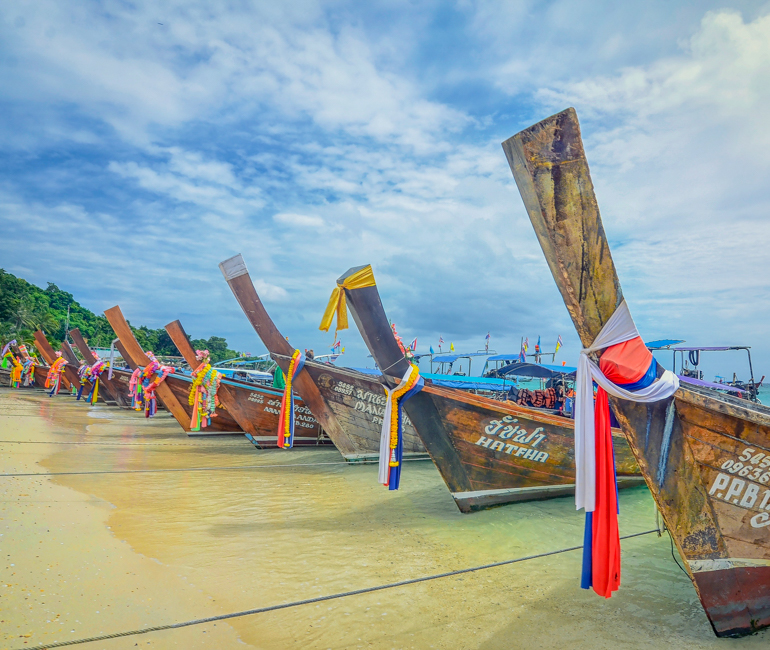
103	552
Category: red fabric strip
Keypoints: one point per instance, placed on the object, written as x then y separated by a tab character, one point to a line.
606	535
625	362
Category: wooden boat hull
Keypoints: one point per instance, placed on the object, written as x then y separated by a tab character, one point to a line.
115	392
70	375
174	391
355	436
358	402
705	456
488	452
256	408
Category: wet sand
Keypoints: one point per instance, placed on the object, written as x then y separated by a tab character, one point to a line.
102	553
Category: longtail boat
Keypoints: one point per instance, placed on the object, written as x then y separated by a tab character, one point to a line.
73	362
117	390
256	408
488	452
348	404
704	455
70	375
174	391
40	369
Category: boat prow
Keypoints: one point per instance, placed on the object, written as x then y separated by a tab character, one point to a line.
705	456
488	452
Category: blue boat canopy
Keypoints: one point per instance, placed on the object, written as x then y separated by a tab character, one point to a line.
536	370
505	357
662	344
451	358
470	383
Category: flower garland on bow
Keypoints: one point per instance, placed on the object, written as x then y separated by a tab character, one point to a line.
28	372
392	434
95	372
143	383
203	393
84	374
16	368
53	379
286	417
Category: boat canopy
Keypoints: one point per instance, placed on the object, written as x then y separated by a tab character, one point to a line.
536	370
451	358
505	357
469	383
713	349
662	344
710	384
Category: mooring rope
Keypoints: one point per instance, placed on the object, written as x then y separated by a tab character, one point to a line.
191	469
319	599
128	444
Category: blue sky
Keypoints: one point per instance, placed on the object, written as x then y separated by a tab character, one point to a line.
312	137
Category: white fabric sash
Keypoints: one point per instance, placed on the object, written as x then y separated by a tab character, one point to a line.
385	433
618	329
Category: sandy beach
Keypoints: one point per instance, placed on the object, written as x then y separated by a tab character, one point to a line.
90	554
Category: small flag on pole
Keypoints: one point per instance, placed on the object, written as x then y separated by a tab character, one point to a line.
451	347
526	344
486	345
431	350
440	341
537	345
413	345
558	344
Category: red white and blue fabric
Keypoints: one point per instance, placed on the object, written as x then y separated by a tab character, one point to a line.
628	371
391	476
287	406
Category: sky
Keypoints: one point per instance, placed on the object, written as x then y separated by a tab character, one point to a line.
142	143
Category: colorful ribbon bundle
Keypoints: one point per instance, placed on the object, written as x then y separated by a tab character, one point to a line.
16	368
3	354
392	435
143	383
203	394
361	279
286	417
84	374
28	372
627	360
53	379
95	372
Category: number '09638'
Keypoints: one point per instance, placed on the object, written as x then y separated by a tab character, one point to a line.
752	464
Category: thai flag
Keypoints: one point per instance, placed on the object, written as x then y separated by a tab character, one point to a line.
413	345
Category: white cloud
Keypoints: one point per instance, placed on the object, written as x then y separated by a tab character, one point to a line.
299	220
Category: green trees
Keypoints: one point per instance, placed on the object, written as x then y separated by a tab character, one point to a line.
25	308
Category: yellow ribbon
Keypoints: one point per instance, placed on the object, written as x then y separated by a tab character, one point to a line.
337	303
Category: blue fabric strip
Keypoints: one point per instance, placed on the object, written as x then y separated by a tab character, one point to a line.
586	578
646	379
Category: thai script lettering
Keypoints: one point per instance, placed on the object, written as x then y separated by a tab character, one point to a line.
510	431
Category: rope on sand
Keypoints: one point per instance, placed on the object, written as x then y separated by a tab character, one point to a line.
319	599
189	469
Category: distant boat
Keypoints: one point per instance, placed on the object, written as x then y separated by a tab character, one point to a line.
487	451
115	389
70	375
255	407
348	404
704	455
174	391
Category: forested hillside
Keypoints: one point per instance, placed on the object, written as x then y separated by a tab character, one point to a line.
25	308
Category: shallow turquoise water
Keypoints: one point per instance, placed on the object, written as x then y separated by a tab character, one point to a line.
303	524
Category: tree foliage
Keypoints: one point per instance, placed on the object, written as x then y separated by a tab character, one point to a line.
25	308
